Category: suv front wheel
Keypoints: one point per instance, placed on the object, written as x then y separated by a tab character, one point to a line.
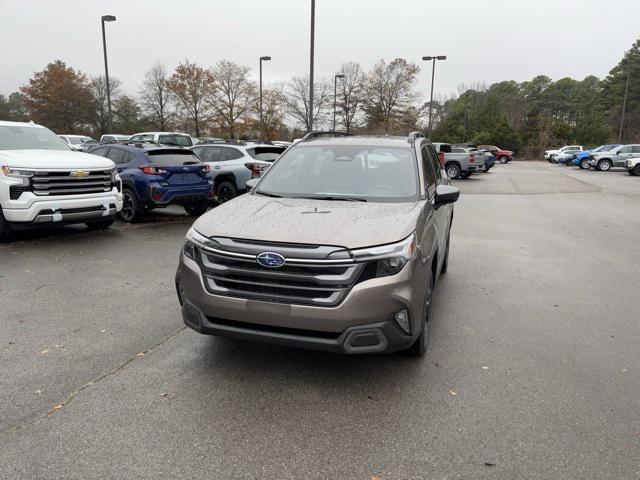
604	165
5	229
130	206
419	347
226	191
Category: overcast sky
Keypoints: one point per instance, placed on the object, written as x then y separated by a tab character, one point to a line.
485	40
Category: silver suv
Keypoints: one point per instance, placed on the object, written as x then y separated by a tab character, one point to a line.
233	163
337	247
617	157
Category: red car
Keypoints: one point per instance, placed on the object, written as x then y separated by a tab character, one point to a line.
503	156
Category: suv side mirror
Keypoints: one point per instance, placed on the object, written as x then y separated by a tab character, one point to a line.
445	194
251	184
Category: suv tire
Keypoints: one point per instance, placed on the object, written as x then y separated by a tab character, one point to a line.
228	189
584	164
445	263
604	165
504	159
635	171
130	212
419	347
5	228
100	225
453	170
196	209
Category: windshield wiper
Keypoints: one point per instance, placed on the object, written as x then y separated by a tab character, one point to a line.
337	198
268	194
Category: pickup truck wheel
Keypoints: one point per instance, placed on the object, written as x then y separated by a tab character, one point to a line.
504	159
453	170
196	209
604	165
101	225
419	347
130	207
5	228
226	191
584	164
635	171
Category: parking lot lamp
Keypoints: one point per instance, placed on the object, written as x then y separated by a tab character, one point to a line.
433	74
107	18
335	92
262	59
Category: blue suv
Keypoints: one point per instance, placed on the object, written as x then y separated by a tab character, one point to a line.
156	176
581	159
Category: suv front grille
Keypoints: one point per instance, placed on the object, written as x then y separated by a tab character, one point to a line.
316	283
64	183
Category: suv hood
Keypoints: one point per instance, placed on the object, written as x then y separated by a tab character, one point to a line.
315	222
53	160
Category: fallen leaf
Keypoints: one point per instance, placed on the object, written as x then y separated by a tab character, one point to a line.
485	368
103	330
141	354
453	393
376	477
39	391
44	351
487	464
57	407
164	394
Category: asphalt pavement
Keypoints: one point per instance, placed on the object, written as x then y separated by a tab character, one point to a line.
533	368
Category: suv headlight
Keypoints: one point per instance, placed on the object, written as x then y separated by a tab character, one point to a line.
194	240
391	258
18	173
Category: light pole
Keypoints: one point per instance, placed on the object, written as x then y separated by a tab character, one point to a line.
311	55
262	59
107	18
624	105
335	92
433	74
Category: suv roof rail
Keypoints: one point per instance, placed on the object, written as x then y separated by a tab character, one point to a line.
323	133
222	141
413	136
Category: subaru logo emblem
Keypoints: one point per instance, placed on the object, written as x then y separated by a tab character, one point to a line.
270	260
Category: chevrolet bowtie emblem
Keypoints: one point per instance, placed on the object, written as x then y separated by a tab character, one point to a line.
79	173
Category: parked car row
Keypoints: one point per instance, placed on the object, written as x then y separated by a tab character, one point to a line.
461	160
602	158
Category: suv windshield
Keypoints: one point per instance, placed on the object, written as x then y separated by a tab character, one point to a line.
181	140
268	154
29	138
78	140
344	172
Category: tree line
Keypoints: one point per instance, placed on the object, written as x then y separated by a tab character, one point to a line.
219	101
222	101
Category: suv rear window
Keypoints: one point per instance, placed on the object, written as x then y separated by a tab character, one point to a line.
181	140
267	154
172	158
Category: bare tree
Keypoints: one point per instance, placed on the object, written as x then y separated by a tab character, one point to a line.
296	100
232	97
272	113
193	86
350	94
98	87
155	96
389	89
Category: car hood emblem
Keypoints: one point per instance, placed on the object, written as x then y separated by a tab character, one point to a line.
270	260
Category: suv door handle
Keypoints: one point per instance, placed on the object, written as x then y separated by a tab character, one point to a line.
217	167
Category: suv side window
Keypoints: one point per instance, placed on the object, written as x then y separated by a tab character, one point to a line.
429	172
635	149
211	154
229	153
435	162
625	150
117	155
102	151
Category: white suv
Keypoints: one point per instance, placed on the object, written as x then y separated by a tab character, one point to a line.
76	142
167	138
43	181
552	154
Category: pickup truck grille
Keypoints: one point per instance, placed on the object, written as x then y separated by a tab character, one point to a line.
68	183
316	283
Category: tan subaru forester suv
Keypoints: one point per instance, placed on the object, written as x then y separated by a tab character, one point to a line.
337	247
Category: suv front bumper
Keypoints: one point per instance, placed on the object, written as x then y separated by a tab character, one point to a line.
362	323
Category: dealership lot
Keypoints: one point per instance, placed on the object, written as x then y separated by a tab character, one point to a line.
533	370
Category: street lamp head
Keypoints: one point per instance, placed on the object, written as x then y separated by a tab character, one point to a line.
108	18
265	58
339	75
427	59
441	57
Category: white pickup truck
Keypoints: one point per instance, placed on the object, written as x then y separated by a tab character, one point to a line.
44	182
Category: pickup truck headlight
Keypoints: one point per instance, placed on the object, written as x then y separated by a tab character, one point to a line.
18	173
391	258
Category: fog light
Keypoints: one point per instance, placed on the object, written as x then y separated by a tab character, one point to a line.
402	318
